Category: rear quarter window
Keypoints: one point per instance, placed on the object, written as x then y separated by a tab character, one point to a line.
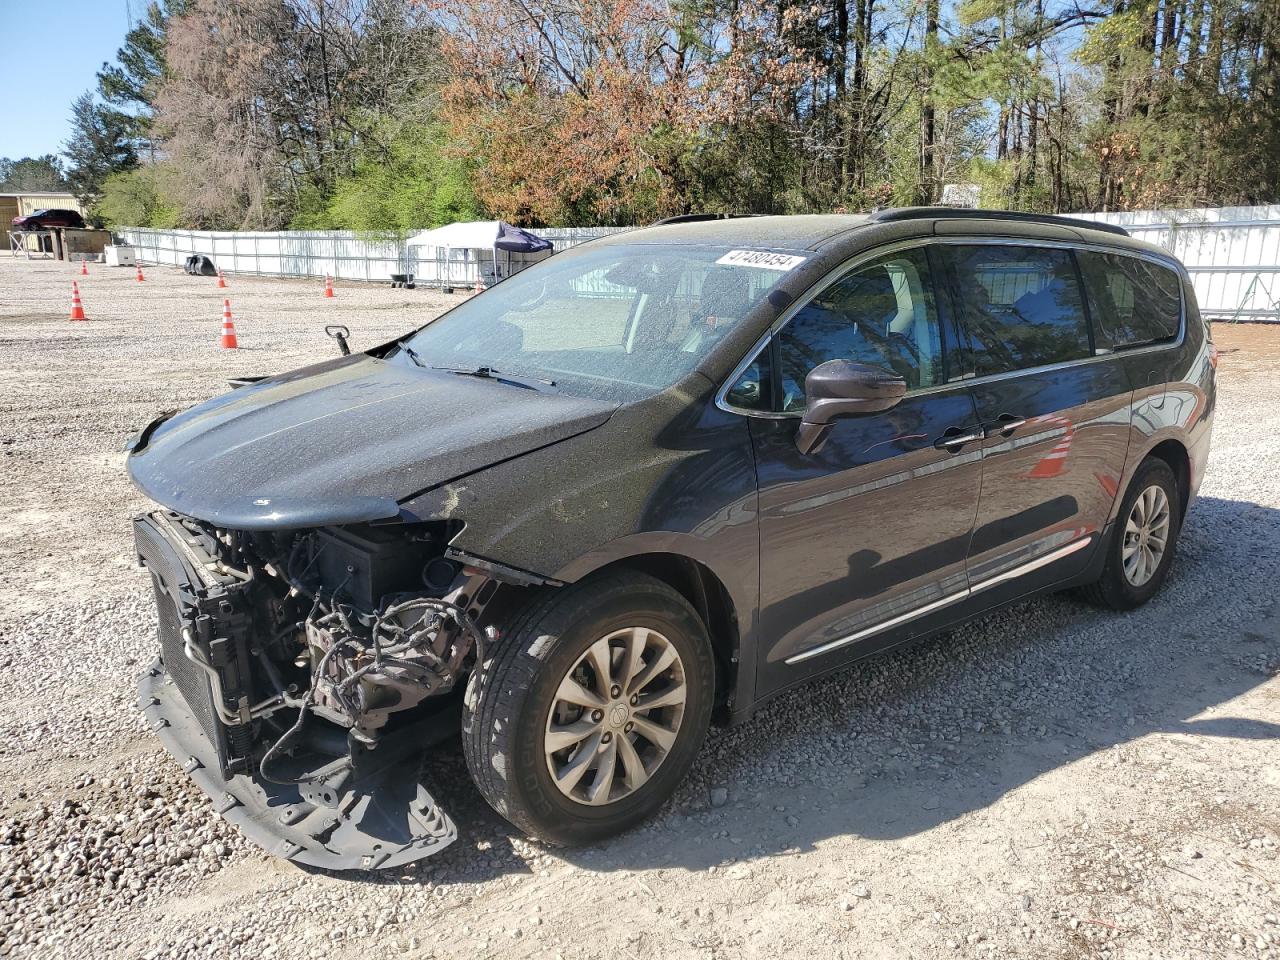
1132	301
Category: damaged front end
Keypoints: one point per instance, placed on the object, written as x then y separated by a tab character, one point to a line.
304	674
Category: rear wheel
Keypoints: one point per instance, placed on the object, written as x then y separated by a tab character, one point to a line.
591	708
1142	544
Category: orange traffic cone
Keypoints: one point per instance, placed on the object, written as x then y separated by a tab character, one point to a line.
140	276
479	281
84	268
77	308
228	341
222	281
328	286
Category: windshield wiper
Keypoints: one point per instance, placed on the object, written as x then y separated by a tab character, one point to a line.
482	373
412	354
493	373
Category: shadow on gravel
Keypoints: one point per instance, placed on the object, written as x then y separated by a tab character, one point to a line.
898	745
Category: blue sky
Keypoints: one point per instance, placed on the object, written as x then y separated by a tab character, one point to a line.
76	36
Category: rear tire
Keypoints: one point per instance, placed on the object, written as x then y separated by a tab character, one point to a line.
1143	541
628	738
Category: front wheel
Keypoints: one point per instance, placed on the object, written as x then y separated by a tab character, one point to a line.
590	710
1142	545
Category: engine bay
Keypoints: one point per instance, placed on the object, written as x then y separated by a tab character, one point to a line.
313	664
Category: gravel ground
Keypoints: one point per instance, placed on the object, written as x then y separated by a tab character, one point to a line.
1051	781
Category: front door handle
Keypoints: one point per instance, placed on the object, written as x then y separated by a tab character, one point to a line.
953	438
1004	425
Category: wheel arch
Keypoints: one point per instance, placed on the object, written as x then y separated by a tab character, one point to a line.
706	592
1174	453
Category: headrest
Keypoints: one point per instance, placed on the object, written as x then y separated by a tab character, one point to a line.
872	300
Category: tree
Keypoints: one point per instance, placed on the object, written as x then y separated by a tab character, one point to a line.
389	114
415	182
32	174
129	84
572	109
266	105
141	197
929	186
1189	103
100	145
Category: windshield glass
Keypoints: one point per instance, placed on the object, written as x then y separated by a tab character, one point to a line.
611	322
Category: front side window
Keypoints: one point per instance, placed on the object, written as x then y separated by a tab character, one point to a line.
882	313
1133	301
1021	306
615	322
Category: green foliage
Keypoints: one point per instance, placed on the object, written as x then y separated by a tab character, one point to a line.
1115	34
99	146
32	174
129	84
411	183
141	197
994	179
394	115
109	132
139	63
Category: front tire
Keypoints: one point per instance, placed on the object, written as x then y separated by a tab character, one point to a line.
590	708
1144	540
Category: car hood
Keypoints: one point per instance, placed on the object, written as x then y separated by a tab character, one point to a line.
343	442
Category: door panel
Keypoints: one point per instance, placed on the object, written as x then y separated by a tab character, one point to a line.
1055	414
1051	481
875	525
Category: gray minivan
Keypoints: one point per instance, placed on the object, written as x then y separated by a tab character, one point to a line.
646	485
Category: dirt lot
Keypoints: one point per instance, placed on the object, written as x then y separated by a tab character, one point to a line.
1050	782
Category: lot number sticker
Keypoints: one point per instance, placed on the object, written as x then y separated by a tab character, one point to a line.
761	258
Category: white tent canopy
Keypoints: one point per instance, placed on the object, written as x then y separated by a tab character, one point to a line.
479	235
476	235
491	235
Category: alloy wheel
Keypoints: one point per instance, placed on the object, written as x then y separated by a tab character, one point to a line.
1146	535
615	716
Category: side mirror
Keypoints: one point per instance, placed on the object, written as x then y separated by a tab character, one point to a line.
843	388
340	333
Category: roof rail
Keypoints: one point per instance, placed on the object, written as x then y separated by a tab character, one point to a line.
700	217
891	214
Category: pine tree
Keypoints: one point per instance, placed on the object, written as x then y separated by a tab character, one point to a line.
129	85
100	145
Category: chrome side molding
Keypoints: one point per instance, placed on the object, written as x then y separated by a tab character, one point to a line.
1029	567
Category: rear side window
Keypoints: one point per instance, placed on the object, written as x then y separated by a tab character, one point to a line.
1021	306
1133	301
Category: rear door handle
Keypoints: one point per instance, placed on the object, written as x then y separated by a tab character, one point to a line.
1004	425
953	438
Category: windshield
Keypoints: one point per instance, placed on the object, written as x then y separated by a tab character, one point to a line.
610	322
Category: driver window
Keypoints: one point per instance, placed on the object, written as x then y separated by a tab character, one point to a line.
883	313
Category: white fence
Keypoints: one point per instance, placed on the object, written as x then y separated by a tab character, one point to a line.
1232	254
342	254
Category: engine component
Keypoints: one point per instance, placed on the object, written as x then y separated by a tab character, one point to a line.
370	563
365	671
285	656
204	629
